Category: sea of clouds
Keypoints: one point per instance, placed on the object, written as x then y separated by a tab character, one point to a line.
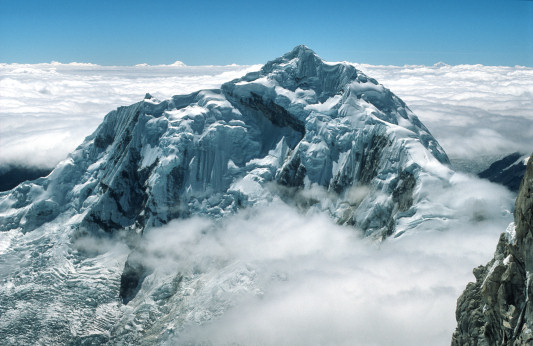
46	110
313	282
476	112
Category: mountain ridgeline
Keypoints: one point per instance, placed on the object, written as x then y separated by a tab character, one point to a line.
507	171
298	124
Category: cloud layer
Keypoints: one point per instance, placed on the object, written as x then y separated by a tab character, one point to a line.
46	110
274	276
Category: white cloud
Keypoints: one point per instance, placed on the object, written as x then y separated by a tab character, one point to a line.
273	276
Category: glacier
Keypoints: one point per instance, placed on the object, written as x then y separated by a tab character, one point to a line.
320	137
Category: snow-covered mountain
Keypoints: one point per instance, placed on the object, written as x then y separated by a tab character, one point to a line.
329	136
301	131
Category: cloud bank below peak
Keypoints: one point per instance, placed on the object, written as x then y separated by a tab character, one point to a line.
46	110
271	275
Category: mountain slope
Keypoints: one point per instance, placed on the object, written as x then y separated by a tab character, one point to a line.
496	309
319	136
507	171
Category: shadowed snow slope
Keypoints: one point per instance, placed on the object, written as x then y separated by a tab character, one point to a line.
299	134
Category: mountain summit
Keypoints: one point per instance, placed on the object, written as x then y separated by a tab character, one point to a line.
318	134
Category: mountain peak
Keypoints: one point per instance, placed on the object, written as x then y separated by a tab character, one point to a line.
301	57
299	122
319	137
302	68
300	51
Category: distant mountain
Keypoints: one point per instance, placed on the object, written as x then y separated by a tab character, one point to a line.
317	135
507	171
496	309
10	177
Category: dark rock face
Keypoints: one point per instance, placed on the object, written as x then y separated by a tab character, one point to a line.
507	171
370	161
275	113
403	193
497	309
132	277
293	174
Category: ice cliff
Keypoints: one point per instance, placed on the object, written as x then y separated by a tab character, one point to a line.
496	309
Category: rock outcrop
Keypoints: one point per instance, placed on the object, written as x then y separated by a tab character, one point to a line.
497	309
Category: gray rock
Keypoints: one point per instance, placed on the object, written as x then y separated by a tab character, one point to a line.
496	309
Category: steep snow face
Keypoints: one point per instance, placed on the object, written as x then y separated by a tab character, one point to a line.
320	135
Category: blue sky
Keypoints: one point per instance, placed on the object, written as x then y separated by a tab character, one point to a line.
490	32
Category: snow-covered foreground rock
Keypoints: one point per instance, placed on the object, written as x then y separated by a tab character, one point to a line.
89	254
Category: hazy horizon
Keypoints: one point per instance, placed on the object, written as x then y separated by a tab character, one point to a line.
381	32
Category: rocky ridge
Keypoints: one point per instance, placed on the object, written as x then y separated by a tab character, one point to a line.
507	171
497	309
